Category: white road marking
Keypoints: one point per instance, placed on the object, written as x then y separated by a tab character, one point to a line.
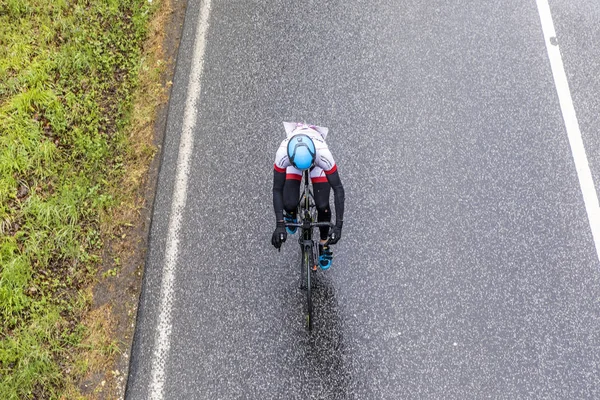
584	174
186	146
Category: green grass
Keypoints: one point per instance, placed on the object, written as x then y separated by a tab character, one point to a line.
67	73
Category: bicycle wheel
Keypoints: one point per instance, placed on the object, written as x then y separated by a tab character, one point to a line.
307	267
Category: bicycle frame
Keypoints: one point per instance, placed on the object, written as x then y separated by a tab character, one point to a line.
306	213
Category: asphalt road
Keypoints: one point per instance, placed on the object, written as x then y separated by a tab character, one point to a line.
467	267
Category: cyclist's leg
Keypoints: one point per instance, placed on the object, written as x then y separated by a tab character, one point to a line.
291	190
321	193
322	189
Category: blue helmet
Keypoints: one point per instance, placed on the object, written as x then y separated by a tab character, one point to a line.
301	151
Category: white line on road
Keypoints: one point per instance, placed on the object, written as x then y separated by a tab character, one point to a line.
584	174
186	145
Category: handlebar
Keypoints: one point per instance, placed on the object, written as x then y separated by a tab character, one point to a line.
308	225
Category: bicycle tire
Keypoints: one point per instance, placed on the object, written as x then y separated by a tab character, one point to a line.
309	305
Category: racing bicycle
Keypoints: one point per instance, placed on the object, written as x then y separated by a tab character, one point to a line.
309	242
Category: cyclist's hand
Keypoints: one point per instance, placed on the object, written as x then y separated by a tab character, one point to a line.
335	234
280	235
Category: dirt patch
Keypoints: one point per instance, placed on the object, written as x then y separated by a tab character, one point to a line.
101	342
125	229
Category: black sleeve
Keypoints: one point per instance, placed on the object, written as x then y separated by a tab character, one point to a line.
278	182
338	196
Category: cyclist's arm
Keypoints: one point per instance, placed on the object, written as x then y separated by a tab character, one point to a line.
278	182
338	194
279	168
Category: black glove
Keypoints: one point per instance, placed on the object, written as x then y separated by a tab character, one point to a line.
280	235
336	233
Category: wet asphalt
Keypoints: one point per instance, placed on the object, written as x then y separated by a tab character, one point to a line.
466	268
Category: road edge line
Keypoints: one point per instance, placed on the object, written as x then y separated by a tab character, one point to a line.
186	146
586	181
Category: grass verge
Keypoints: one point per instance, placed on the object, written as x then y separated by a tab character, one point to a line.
71	165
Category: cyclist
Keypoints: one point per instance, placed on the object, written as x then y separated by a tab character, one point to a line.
305	148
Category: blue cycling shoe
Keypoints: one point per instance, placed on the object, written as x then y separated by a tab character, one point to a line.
325	257
293	220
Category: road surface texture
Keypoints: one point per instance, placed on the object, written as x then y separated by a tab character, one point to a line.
467	268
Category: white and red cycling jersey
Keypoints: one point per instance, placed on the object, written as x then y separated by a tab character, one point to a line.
324	163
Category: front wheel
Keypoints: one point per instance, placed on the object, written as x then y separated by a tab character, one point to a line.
307	267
